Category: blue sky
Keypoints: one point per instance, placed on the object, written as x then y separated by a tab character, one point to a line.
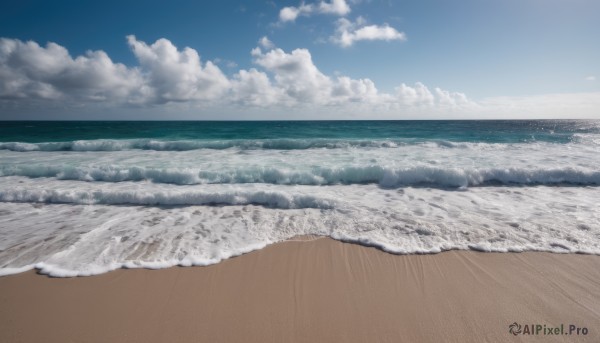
399	59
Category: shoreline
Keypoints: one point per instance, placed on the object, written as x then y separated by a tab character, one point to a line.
312	289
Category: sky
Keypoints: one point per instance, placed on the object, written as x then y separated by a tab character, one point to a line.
330	59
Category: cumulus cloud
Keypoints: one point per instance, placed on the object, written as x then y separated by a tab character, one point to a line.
280	80
348	32
253	87
296	74
291	13
451	99
335	7
298	81
266	43
419	95
175	75
352	90
165	74
28	70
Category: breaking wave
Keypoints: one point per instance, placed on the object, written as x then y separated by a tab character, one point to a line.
385	176
272	199
184	145
242	144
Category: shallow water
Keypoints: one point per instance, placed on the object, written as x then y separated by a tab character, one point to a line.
82	198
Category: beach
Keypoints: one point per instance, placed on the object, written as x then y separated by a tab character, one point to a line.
313	289
332	231
299	171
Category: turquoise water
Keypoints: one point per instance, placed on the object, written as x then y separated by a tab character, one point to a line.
559	131
82	198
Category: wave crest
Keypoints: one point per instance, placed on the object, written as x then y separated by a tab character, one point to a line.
185	145
385	176
272	199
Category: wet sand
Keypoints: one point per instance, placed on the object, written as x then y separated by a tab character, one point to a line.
313	290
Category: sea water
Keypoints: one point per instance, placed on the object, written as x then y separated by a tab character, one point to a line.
82	198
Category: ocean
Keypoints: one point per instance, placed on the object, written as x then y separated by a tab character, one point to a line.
84	198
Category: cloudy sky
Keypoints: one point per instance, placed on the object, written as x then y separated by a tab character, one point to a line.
330	59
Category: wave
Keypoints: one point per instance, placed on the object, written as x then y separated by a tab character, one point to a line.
272	199
75	240
242	144
184	145
385	176
586	138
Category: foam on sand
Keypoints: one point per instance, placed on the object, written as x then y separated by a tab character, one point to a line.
85	207
313	291
73	239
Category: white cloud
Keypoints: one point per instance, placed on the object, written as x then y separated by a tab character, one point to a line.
335	7
302	83
175	75
288	81
347	32
166	74
299	83
419	95
226	63
296	75
291	13
361	90
266	43
591	78
252	87
28	70
451	99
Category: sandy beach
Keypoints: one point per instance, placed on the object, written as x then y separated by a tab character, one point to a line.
313	290
299	171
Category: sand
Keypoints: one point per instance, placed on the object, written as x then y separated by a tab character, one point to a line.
313	290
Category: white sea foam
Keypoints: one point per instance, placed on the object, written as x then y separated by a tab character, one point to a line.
87	207
251	144
184	145
475	164
70	240
41	191
386	176
587	138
